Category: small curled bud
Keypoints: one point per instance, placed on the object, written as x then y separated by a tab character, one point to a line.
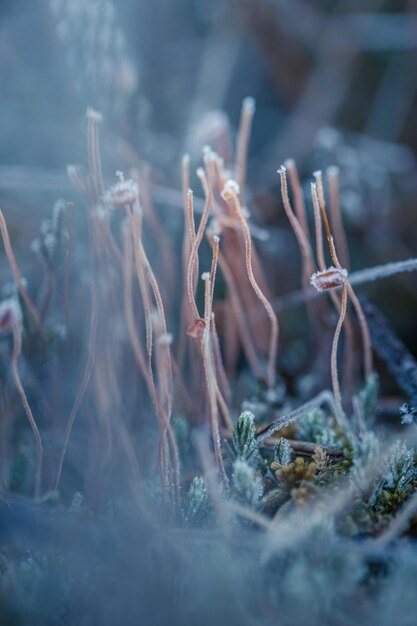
329	278
196	329
230	190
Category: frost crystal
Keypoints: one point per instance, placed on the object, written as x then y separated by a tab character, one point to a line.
122	194
408	414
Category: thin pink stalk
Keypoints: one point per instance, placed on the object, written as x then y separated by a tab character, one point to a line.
299	231
320	209
84	384
164	370
336	216
318	228
17	346
68	265
194	250
240	320
16	272
248	110
143	262
298	195
188	241
231	197
143	363
221	373
218	362
333	357
210	377
366	338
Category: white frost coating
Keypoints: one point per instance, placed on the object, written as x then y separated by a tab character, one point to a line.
249	105
230	189
94	116
123	193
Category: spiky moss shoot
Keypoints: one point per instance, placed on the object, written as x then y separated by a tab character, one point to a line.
245	446
247	485
282	452
197	503
395	483
319	427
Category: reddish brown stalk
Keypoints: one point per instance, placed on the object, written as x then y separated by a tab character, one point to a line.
322	204
248	110
318	229
134	218
217	358
128	302
188	241
366	341
164	370
336	217
144	265
144	365
221	373
189	218
349	343
194	250
333	358
234	249
16	273
366	338
153	284
160	234
219	175
215	243
17	346
84	382
230	195
240	320
259	328
299	230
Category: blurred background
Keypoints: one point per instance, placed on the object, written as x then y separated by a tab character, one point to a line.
334	83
